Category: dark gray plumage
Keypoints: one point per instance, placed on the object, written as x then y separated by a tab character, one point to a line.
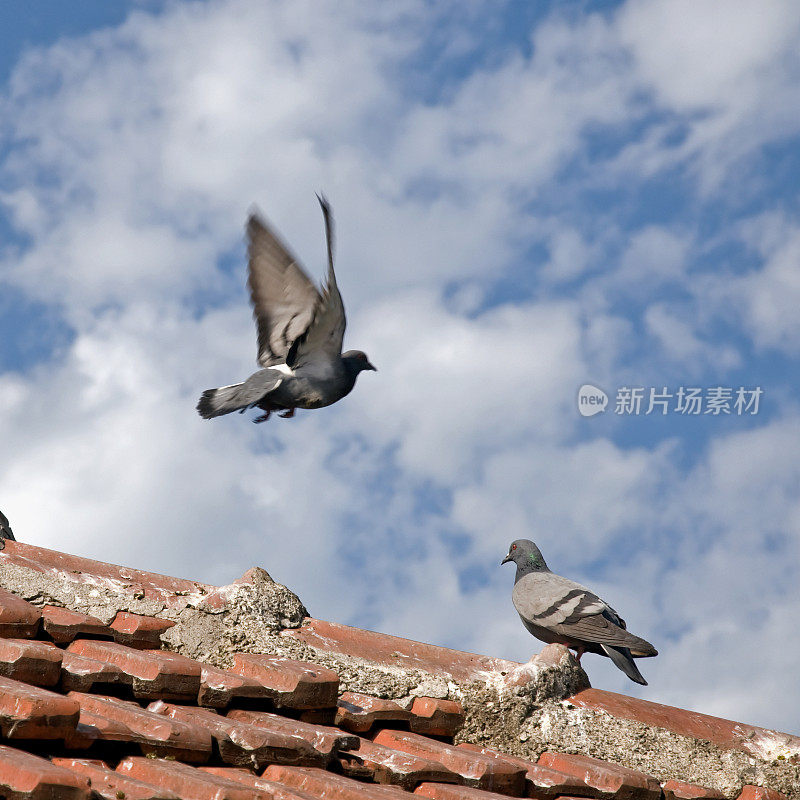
5	531
556	609
300	333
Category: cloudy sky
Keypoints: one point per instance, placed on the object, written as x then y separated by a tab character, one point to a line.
529	197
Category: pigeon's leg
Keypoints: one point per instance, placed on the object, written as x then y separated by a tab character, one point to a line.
287	414
579	651
263	417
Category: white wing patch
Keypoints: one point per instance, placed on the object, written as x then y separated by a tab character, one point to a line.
284	368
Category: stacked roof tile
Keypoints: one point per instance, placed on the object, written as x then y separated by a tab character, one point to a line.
95	710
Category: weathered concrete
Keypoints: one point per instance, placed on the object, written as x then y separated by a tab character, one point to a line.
210	625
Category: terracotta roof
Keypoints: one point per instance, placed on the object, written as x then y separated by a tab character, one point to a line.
96	706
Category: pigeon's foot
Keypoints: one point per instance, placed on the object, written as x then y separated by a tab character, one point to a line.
579	651
263	417
287	414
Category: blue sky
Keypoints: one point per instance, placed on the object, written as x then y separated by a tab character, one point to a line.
529	197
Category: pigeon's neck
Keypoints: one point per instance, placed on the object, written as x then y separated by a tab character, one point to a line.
527	568
351	368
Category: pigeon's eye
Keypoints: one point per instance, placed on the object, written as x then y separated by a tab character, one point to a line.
513	547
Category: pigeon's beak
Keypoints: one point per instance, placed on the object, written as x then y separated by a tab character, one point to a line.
369	366
506	559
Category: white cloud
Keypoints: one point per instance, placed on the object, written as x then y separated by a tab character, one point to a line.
725	77
771	297
455	388
569	255
699	56
679	341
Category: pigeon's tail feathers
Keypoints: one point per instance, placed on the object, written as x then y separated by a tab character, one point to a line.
224	400
621	656
239	396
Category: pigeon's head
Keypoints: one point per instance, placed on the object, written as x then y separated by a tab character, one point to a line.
357	361
526	555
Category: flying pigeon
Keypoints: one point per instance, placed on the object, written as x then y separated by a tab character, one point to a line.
300	333
5	531
556	609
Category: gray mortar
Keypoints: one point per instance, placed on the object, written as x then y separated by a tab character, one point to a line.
523	721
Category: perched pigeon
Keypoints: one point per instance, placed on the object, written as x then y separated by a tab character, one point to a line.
300	332
5	531
556	609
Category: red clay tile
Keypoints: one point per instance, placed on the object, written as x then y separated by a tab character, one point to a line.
479	770
18	618
143	633
329	786
385	765
28	712
82	674
93	728
111	719
243	745
187	782
27	777
679	790
359	712
154	674
38	663
63	625
541	782
610	780
296	684
318	716
322	738
440	791
722	732
760	793
174	592
111	785
271	789
393	651
434	717
218	687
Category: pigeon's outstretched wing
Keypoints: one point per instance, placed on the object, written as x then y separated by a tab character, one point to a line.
321	344
547	600
285	301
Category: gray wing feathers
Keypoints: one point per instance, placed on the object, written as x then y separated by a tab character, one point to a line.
284	300
570	609
548	599
597	628
322	342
